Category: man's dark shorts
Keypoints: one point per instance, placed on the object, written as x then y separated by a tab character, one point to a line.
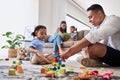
112	57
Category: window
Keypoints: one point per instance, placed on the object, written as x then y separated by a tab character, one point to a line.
78	24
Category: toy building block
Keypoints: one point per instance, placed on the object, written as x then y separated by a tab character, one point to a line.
47	68
56	55
106	75
50	74
55	64
12	72
6	59
20	61
62	69
42	70
55	59
1	59
85	75
70	70
82	67
19	69
54	68
59	61
14	62
17	63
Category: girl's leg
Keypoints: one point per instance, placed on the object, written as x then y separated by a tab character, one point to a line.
34	60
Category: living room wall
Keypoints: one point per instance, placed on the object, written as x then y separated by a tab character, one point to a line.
15	15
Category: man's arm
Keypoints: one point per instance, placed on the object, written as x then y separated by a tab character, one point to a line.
75	48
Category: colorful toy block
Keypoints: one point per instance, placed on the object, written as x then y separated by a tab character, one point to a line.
50	74
42	70
19	69
12	72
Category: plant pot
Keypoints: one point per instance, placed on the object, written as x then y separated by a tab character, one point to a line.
12	53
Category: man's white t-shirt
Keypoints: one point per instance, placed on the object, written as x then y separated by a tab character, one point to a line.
109	29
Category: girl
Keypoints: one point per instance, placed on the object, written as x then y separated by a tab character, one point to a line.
74	35
37	46
57	38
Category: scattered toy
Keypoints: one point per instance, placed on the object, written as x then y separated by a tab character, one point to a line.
12	72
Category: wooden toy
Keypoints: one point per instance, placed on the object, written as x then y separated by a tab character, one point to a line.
70	70
14	62
19	69
55	64
7	59
62	69
12	72
82	67
50	74
84	75
42	70
17	63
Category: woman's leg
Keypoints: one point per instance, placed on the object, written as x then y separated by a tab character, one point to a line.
59	42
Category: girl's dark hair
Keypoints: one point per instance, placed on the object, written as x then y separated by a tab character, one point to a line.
37	28
72	27
63	30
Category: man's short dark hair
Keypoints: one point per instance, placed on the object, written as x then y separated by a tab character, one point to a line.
96	7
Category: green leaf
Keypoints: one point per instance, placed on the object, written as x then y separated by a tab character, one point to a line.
13	41
4	46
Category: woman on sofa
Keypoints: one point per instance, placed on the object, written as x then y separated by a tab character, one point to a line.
57	38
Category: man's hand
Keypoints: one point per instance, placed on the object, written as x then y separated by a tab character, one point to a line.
66	54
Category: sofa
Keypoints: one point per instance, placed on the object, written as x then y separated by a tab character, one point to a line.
48	47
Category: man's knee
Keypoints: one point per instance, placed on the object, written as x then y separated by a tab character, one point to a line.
97	50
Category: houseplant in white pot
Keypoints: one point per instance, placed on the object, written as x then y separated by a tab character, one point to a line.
13	42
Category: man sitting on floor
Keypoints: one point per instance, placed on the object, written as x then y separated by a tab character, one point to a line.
107	28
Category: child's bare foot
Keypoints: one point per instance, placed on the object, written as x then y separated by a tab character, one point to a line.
42	63
61	51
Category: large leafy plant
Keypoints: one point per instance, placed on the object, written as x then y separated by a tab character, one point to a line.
13	40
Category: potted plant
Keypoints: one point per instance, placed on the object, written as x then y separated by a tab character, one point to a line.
13	42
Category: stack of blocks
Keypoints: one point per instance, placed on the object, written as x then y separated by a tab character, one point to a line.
16	67
57	61
57	69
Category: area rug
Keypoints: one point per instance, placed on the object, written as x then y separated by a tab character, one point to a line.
32	72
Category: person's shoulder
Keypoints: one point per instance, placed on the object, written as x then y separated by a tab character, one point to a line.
113	19
35	40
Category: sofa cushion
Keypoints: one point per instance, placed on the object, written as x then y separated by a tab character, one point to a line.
46	38
67	44
86	32
48	45
64	45
80	34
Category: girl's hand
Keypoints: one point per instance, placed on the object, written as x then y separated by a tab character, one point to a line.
42	56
